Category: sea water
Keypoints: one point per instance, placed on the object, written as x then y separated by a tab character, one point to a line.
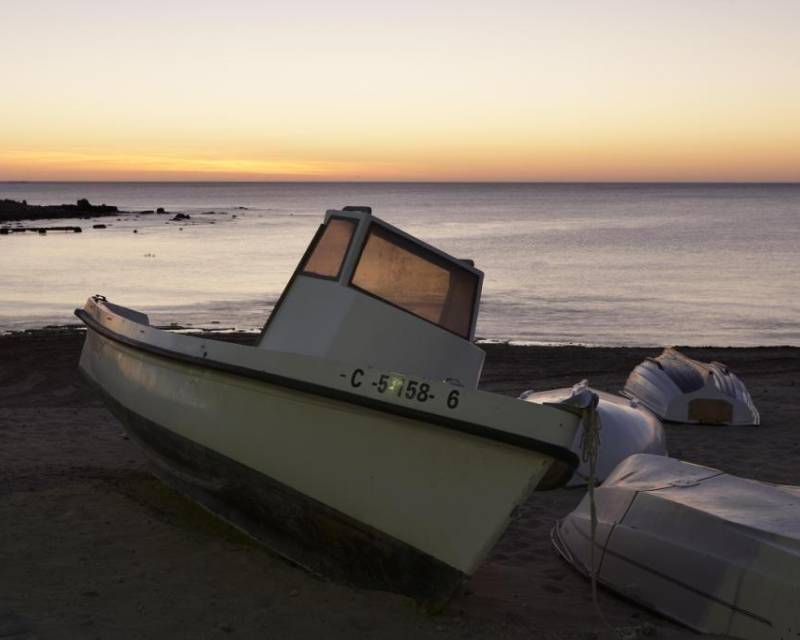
599	264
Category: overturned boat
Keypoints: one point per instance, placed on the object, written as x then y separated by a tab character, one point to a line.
626	428
679	389
715	552
351	438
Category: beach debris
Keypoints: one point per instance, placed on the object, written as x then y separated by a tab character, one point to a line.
173	326
149	255
181	216
136	231
59	327
98	226
160	210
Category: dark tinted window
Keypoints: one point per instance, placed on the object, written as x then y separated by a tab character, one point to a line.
327	256
405	274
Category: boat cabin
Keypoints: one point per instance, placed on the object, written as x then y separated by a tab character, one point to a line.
369	294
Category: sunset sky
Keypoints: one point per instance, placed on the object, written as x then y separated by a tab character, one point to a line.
449	90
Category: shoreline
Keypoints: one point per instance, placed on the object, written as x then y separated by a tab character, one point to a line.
93	545
485	343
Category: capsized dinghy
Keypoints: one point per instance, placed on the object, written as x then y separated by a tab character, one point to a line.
352	438
626	428
715	552
679	389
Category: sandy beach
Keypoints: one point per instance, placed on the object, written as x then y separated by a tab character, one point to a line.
92	546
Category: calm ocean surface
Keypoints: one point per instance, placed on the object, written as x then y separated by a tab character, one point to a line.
564	263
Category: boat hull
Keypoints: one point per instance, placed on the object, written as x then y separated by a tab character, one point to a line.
715	552
626	428
347	491
679	389
298	528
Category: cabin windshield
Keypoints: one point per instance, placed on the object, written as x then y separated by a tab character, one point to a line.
330	249
417	280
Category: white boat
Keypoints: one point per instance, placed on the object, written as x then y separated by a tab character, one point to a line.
351	438
718	553
626	428
679	389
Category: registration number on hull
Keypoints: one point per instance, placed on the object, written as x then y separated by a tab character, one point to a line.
393	384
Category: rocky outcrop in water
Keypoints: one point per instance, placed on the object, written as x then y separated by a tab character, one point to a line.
12	210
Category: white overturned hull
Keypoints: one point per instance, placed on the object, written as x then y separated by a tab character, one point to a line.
715	552
626	428
679	389
338	467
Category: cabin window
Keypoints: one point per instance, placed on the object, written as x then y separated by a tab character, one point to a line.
416	280
328	254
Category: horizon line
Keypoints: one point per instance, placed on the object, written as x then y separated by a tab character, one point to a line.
532	182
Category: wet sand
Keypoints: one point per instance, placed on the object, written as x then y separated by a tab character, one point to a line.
92	546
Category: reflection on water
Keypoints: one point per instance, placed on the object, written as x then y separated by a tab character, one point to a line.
597	264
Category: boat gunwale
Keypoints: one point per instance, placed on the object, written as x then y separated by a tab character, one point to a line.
555	451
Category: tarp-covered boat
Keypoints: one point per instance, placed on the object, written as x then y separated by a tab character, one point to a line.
679	389
352	438
718	553
626	428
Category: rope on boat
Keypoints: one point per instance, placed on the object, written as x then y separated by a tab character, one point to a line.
590	449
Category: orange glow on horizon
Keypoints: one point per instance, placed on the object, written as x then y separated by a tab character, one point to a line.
611	161
457	92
